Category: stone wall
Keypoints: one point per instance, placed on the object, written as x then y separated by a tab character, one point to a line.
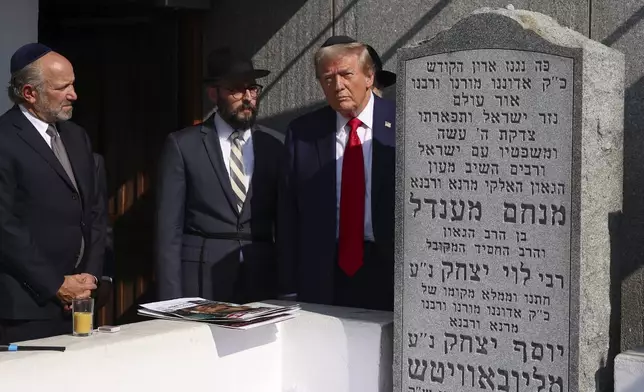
284	34
19	21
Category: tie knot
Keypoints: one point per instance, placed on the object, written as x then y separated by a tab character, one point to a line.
51	131
354	123
237	136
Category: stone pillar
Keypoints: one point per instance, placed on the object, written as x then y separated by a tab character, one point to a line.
509	162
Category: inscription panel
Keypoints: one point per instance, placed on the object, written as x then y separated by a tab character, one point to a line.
488	152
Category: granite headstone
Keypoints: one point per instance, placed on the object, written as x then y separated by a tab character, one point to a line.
509	162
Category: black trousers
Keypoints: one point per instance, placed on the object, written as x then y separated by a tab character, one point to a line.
371	287
12	331
240	293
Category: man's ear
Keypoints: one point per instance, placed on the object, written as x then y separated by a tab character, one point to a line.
369	80
213	93
29	93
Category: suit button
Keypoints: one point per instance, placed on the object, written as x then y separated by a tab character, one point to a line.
74	196
82	224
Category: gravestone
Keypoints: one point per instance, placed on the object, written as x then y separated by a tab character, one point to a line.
509	164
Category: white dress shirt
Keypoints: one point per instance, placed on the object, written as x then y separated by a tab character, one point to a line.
365	133
224	131
39	124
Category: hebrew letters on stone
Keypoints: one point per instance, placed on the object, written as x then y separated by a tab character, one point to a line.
488	166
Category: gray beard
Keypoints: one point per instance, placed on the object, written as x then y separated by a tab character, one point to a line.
51	115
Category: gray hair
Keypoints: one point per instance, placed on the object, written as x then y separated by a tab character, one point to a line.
339	50
31	74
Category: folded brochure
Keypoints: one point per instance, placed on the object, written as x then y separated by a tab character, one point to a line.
225	314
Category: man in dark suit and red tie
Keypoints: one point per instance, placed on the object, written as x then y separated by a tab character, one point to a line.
337	195
217	194
51	235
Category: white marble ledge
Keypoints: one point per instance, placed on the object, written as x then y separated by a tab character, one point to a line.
637	353
154	329
154	355
324	348
629	371
338	349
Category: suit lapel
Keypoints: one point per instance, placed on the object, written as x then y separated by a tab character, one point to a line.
382	151
213	148
32	137
75	148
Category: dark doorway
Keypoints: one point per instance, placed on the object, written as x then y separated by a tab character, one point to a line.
135	64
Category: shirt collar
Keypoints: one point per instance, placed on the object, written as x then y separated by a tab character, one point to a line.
366	116
224	130
39	124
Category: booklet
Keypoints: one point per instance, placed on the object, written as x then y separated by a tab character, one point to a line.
225	314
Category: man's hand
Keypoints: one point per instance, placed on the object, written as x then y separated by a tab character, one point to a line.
86	278
76	286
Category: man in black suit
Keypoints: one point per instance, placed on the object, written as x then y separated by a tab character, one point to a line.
47	202
382	78
217	195
101	241
99	230
337	193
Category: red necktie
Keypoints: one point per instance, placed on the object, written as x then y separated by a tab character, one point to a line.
352	195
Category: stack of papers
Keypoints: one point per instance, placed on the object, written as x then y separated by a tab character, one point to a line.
224	314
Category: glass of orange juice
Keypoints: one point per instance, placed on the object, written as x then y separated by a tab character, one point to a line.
83	316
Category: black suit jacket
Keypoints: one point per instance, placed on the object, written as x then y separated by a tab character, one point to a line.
99	215
199	232
42	217
308	204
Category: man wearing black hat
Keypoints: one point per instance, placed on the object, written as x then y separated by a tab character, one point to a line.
217	195
338	188
48	255
382	78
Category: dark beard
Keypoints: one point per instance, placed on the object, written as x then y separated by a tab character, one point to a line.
236	119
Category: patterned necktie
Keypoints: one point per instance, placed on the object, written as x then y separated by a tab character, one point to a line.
61	153
352	202
237	169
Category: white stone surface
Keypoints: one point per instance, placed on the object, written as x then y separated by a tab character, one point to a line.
323	349
337	349
629	371
150	356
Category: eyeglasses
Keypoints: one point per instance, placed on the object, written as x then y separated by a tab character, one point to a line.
237	92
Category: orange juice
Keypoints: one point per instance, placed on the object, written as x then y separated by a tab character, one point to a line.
83	323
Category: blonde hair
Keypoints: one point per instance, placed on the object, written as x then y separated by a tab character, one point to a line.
340	50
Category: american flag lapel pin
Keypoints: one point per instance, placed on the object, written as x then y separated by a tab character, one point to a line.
387	124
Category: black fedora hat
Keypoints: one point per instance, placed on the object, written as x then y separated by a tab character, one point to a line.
226	64
384	78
